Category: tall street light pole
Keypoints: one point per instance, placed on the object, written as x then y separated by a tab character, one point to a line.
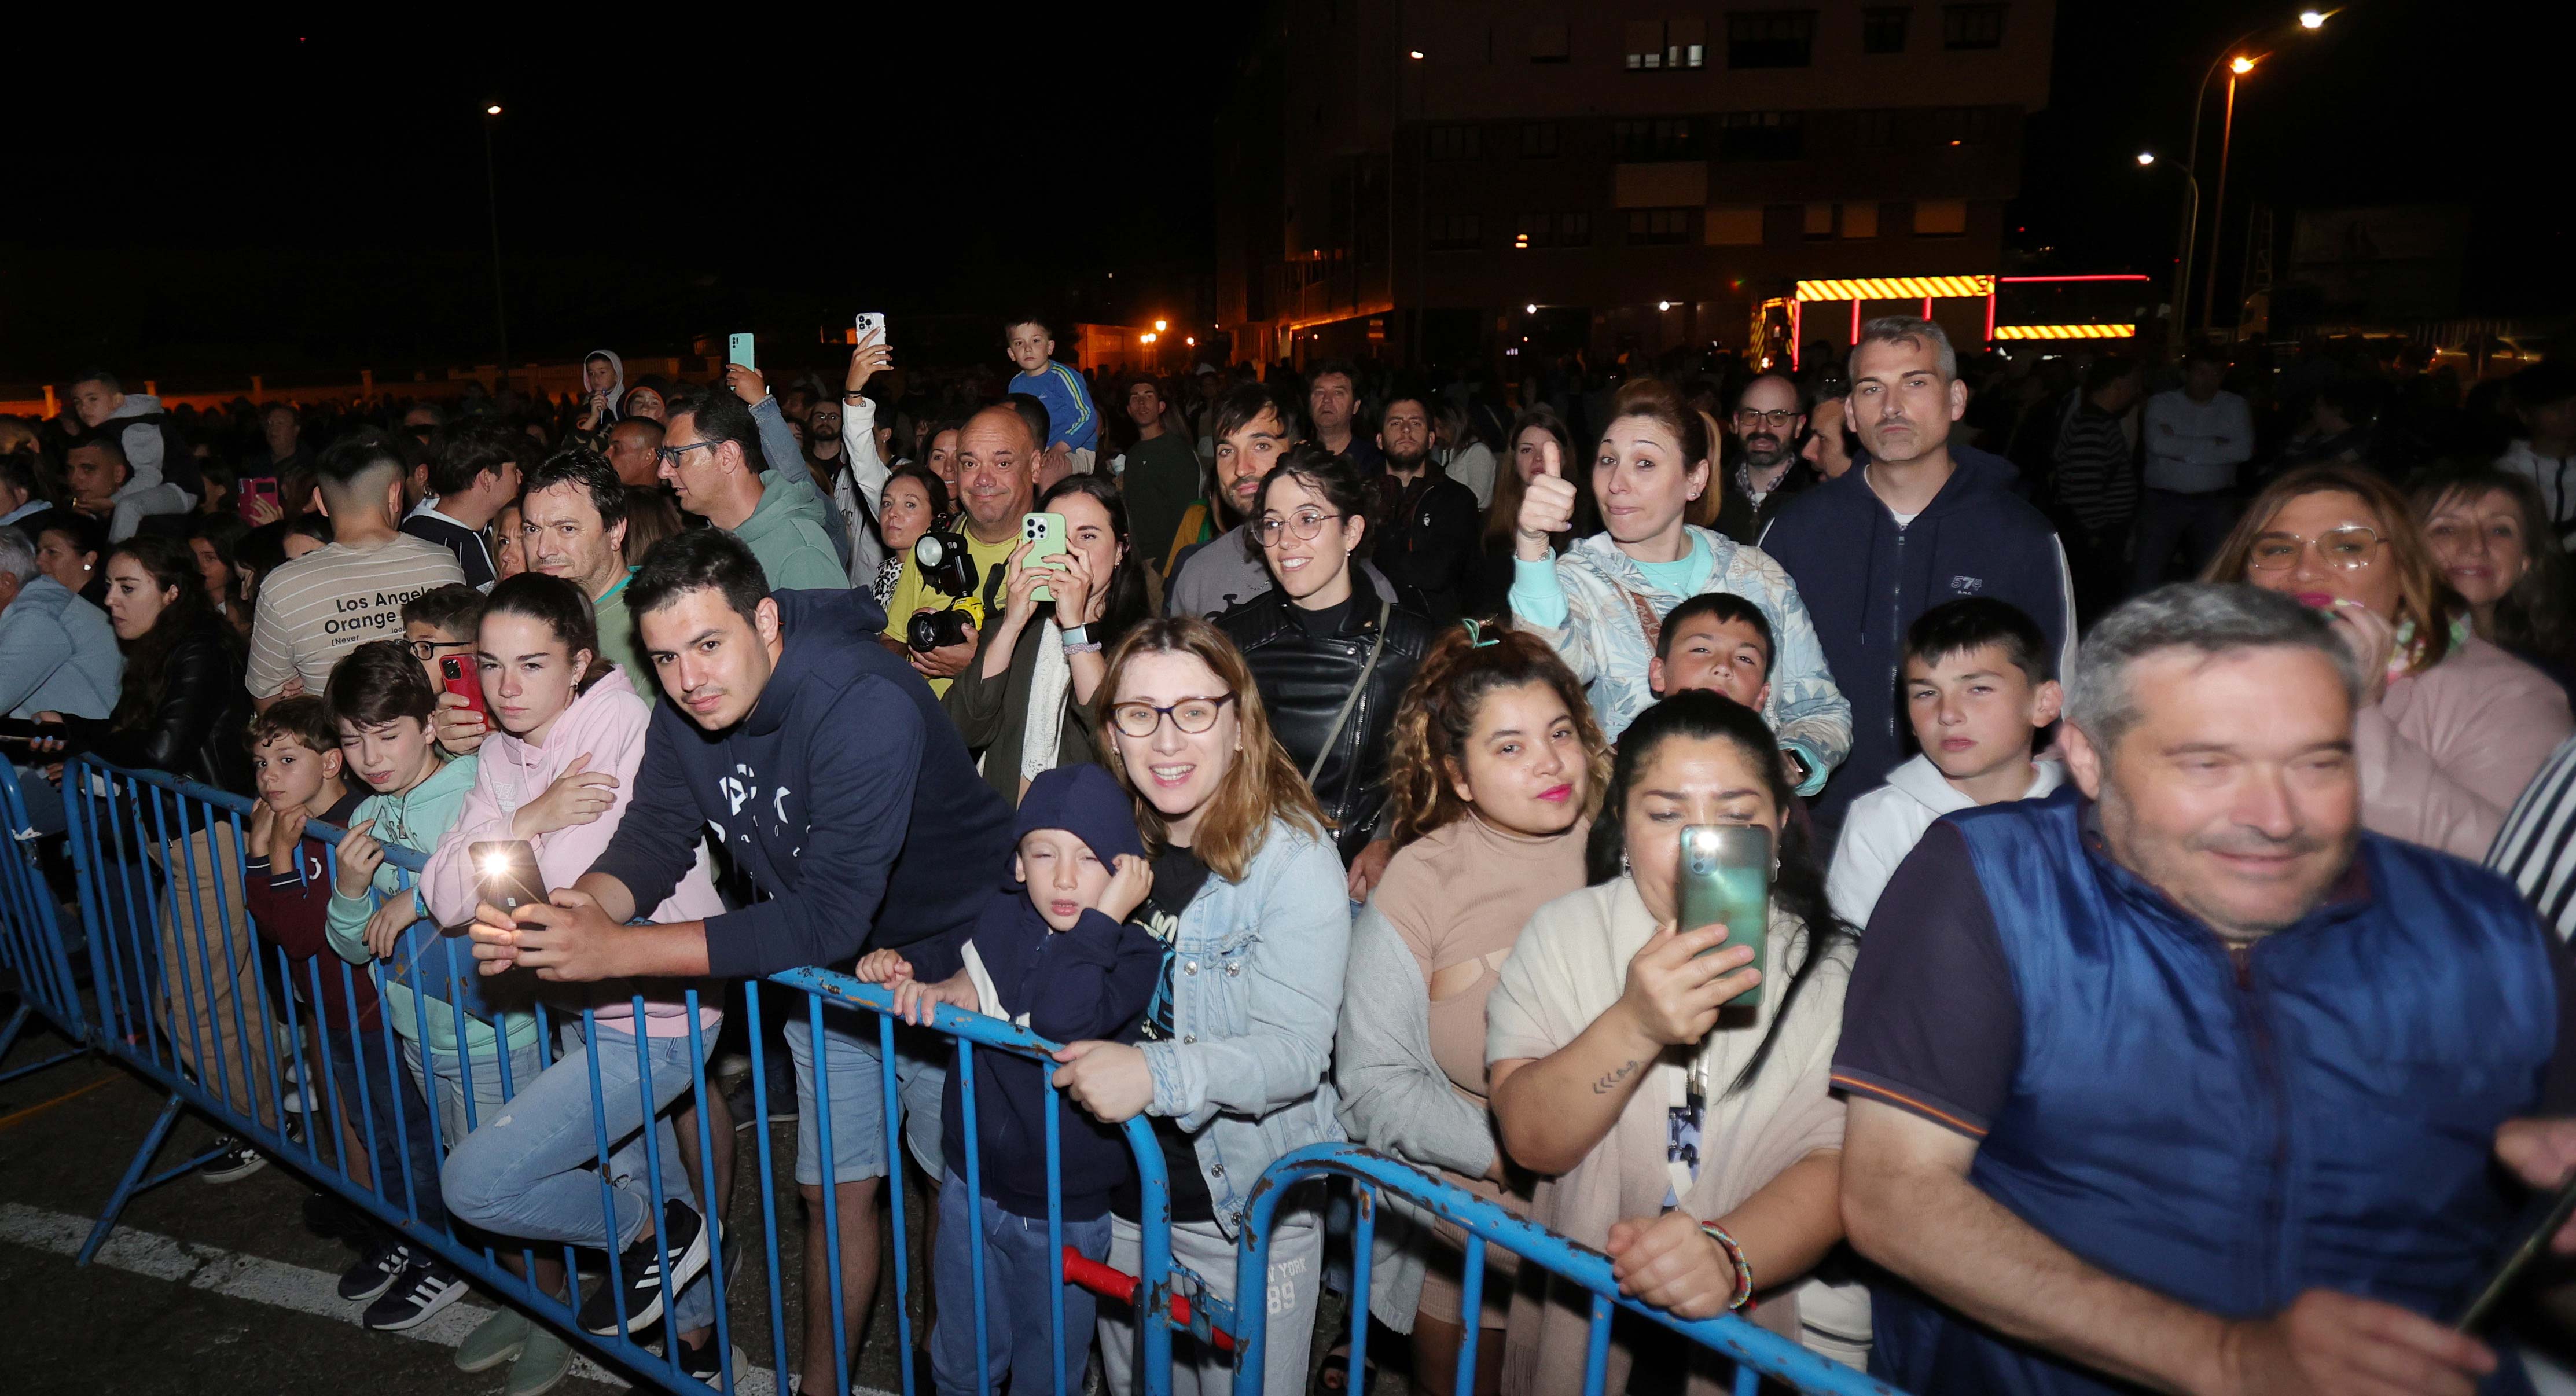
2185	236
501	305
2237	67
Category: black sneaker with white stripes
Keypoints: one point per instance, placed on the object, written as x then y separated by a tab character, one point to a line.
425	1287
375	1271
640	1268
237	1160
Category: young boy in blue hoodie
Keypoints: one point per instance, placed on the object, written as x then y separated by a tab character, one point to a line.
1072	423
1052	953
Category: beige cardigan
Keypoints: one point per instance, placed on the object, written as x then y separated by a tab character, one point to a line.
1571	964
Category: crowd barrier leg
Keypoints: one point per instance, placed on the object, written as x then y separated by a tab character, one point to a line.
18	1020
1759	1356
134	1181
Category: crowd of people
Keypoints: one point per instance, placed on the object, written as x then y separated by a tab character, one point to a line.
1327	756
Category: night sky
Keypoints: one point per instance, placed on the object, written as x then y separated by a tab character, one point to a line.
267	197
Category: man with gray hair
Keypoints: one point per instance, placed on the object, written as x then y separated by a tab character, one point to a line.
57	655
1920	522
2182	1080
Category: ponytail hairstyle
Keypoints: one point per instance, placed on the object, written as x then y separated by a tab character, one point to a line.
1798	888
563	609
1427	750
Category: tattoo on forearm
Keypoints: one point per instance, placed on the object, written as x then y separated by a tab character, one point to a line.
1610	1081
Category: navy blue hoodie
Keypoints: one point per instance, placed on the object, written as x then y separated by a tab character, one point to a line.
1865	580
845	795
1092	981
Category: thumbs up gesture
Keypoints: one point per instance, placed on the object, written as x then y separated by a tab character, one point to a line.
1547	505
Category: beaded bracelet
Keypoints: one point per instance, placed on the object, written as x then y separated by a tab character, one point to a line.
1743	1271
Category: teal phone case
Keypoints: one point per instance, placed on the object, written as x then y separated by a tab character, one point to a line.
1726	880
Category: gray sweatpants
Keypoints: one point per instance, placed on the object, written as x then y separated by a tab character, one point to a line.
1296	1265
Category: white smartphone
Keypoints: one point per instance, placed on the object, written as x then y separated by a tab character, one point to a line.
738	350
871	325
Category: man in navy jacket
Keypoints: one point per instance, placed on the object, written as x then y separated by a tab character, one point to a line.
1922	522
821	762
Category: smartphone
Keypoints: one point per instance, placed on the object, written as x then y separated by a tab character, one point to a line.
254	488
1726	880
2541	1219
1045	532
738	350
505	873
459	676
871	325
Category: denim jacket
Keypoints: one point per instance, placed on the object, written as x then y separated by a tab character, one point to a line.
1256	993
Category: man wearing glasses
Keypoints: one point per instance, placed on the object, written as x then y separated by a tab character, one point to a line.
712	459
839	788
1770	418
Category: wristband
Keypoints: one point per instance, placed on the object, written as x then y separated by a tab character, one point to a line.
1743	1271
1076	636
1082	649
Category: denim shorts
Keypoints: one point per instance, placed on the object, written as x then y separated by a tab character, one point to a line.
855	1082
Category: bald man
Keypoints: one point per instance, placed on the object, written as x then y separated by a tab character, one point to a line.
634	448
998	459
1770	419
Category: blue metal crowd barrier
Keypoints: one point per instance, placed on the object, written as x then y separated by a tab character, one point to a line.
1758	1353
188	995
33	960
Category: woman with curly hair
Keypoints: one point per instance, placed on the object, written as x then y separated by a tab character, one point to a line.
1496	770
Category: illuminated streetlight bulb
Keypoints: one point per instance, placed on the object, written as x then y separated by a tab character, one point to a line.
1532	307
1663	305
2312	19
2240	66
1416	54
1159	327
492	110
1192	341
2146	157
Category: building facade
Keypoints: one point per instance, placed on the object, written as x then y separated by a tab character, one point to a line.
1456	180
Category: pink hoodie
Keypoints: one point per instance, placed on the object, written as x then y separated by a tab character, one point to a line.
608	722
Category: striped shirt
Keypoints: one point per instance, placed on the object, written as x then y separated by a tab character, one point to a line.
334	599
2094	478
2537	847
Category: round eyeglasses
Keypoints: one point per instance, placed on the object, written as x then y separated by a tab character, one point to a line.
1307	525
1190	716
2343	549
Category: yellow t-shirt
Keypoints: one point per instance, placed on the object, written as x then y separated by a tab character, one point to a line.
911	594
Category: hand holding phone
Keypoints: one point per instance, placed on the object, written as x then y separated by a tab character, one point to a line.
505	873
458	675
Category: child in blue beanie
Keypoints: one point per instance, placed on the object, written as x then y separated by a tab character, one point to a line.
1052	953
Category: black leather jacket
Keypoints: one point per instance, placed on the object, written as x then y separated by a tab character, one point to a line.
1304	681
196	733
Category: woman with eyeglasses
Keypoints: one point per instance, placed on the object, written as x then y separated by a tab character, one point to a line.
1330	656
2451	728
1228	1064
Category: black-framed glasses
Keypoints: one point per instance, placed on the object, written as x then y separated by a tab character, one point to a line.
1190	716
2344	549
427	650
1307	524
670	455
1748	417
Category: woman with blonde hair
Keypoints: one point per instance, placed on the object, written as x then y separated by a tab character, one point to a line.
2491	535
2451	728
1496	770
1229	1065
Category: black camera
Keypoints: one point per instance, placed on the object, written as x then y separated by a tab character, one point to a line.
931	630
946	567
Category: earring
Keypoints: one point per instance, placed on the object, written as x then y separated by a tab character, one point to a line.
1623	862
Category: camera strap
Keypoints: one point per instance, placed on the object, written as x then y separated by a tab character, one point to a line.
1377	646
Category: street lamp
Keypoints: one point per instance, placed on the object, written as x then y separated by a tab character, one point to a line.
1160	326
492	205
2146	157
2233	56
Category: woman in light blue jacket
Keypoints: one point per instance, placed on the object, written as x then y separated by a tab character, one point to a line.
1602	604
1230	1063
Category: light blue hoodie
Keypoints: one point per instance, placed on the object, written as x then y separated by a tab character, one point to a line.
57	654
